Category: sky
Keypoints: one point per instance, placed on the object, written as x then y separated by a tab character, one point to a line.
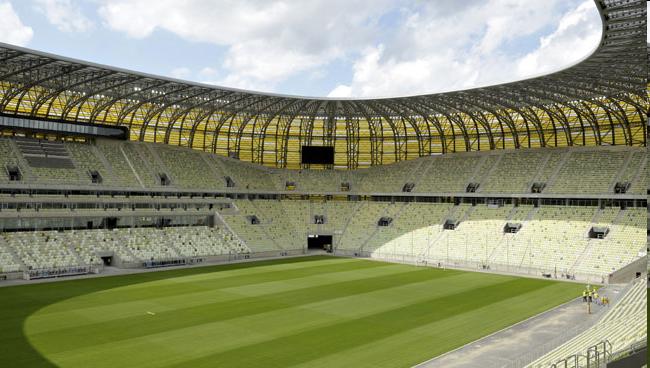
322	48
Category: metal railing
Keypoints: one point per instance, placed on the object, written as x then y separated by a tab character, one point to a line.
570	333
597	357
493	267
543	349
629	350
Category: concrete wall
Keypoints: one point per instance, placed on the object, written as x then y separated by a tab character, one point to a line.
628	273
636	360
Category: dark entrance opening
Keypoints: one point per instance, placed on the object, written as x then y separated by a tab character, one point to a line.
107	260
110	222
598	232
319	242
164	179
14	173
95	177
229	182
163	222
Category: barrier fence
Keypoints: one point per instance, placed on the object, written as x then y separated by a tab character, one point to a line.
42	273
476	266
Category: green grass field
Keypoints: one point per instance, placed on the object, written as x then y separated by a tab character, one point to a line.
306	312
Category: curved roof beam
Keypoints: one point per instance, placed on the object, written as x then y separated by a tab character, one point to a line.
613	80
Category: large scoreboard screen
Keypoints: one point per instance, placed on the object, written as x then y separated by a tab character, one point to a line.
320	155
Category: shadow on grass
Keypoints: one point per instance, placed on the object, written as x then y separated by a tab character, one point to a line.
17	303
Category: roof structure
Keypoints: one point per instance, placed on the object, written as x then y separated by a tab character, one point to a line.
602	100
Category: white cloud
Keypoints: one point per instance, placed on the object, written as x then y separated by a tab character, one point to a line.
429	46
264	61
437	51
267	41
341	91
64	15
208	72
180	72
12	29
208	75
378	75
576	35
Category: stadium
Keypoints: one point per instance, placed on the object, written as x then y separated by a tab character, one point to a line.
147	221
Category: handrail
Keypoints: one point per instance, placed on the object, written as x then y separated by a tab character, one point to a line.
630	349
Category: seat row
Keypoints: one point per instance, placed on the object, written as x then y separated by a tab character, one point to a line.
622	326
550	239
36	250
591	170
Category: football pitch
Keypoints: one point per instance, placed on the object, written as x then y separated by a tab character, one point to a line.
299	312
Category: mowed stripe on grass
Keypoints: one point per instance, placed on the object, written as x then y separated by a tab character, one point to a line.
317	312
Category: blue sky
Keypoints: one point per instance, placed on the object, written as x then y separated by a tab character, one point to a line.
337	48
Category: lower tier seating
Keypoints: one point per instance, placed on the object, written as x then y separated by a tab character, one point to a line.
623	325
41	250
551	239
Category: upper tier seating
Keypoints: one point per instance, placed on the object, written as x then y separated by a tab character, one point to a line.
636	173
314	180
554	159
246	175
389	178
514	173
8	158
112	152
588	172
447	173
86	160
54	172
142	161
188	169
581	170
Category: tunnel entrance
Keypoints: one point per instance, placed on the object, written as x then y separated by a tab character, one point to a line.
319	242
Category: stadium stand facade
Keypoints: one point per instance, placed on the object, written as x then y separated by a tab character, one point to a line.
552	226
